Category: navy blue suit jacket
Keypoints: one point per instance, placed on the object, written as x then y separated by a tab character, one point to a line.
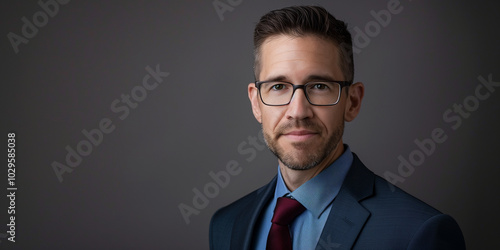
366	214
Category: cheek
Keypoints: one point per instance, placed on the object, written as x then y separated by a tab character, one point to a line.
331	119
271	118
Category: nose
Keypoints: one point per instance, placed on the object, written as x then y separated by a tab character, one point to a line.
299	107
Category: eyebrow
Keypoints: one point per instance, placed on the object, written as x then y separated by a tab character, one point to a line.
309	78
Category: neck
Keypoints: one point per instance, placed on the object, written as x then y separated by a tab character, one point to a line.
295	178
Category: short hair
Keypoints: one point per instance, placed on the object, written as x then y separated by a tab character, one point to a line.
300	21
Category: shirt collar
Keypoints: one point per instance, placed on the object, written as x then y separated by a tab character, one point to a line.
317	193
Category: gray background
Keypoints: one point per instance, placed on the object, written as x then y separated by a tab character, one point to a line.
126	193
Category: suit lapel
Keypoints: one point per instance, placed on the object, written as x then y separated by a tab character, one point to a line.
347	216
243	227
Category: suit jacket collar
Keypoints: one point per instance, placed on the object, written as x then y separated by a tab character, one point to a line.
244	225
347	216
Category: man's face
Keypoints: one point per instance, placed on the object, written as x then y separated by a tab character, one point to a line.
299	134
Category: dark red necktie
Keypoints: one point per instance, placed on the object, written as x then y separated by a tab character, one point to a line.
285	212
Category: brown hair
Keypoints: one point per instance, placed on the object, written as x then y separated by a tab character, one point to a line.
300	21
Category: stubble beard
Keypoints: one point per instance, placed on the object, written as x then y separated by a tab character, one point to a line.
313	156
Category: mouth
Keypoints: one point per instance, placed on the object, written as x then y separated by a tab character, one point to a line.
300	135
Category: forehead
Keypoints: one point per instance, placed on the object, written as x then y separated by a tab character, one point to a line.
298	57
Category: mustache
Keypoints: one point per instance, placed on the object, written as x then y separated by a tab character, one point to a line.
302	124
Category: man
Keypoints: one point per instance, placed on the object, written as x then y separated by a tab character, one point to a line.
323	197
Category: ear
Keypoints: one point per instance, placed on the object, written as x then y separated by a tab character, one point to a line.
354	97
253	95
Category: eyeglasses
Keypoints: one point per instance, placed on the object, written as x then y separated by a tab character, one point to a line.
318	93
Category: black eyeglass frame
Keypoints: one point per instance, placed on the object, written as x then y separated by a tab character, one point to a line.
303	87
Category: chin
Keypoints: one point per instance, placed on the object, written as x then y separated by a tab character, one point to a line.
301	166
301	160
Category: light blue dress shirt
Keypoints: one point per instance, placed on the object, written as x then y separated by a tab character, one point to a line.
316	195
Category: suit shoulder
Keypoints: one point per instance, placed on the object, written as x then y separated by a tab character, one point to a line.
396	201
438	232
229	212
400	219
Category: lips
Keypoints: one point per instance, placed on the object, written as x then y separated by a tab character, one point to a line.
300	135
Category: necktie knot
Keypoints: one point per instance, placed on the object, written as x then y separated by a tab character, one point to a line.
286	211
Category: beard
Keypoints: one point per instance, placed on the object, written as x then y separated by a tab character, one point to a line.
311	156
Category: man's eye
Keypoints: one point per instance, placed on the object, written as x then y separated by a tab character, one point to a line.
320	86
278	86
